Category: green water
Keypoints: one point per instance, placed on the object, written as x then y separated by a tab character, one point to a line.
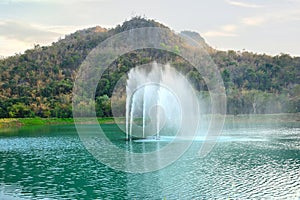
50	162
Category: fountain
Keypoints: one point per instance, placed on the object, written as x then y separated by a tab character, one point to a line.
160	102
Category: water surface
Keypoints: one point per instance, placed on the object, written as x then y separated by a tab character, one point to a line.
50	162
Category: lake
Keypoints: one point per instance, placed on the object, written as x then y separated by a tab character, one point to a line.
250	162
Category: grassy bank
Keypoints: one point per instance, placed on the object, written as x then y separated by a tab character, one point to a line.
268	118
18	122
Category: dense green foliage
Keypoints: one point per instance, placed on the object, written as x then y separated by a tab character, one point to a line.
40	81
260	83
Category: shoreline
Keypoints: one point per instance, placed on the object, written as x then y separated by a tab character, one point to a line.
23	122
257	118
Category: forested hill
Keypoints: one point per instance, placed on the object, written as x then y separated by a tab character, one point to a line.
39	82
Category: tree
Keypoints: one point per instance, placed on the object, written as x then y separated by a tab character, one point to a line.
20	110
103	107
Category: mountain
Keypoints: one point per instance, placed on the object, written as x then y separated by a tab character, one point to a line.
40	81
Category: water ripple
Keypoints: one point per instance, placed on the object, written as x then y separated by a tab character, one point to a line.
265	164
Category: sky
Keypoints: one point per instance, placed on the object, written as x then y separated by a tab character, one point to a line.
259	26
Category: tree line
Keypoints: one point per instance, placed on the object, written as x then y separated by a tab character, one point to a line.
40	81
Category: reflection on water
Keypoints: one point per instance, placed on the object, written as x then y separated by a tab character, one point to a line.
51	162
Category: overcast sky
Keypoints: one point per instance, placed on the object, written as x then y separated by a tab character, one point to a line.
262	26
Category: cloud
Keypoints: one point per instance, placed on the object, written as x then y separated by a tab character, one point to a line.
218	34
254	21
22	1
49	1
10	46
275	17
224	31
17	36
243	4
25	32
229	28
60	30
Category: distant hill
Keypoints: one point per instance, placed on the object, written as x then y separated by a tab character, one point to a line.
39	82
